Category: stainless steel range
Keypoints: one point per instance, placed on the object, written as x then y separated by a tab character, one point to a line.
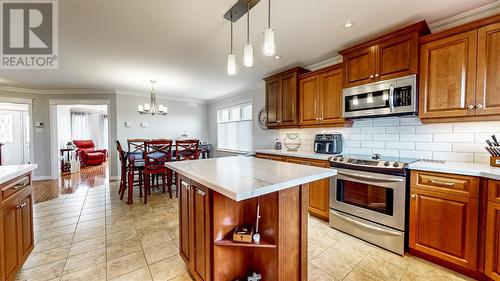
368	199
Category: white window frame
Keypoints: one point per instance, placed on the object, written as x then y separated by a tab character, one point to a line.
228	107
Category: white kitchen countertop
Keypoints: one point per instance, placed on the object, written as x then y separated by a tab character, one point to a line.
9	172
241	178
302	154
461	168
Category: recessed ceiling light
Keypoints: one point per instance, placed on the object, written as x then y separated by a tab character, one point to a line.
277	57
348	24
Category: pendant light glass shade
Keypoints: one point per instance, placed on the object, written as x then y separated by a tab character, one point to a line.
231	64
248	55
269	45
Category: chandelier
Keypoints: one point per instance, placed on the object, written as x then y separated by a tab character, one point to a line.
153	107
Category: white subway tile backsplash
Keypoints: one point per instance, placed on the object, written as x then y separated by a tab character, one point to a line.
408	137
453	156
453	138
386	137
400	145
435	128
373	144
415	154
400	130
416	137
469	147
433	146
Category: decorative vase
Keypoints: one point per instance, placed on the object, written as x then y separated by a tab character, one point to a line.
292	141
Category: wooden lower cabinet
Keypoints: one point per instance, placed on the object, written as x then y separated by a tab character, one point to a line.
16	228
492	249
444	226
194	229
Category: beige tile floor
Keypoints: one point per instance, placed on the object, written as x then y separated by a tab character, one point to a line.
92	235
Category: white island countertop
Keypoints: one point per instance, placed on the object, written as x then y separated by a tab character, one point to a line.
241	178
9	172
461	168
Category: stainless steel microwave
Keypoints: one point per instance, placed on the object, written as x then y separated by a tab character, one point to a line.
390	97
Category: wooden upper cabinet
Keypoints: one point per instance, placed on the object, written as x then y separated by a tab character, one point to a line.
488	70
282	98
359	66
447	76
273	89
398	57
320	97
388	56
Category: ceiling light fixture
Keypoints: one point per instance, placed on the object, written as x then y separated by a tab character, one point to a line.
248	50
153	107
269	44
348	24
231	58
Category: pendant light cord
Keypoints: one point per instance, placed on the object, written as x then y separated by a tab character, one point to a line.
231	35
269	14
248	22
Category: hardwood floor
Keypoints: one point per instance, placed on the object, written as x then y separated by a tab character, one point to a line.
88	177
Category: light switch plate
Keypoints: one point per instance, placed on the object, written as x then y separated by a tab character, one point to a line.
128	124
144	125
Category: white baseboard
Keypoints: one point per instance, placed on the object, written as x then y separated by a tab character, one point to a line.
43	178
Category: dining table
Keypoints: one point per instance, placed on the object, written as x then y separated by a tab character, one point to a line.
136	159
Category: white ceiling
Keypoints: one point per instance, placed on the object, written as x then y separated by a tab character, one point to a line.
183	44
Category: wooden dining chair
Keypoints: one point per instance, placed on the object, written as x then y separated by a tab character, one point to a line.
136	146
187	150
156	154
122	155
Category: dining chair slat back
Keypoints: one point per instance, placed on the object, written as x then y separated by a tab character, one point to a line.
186	150
136	145
156	153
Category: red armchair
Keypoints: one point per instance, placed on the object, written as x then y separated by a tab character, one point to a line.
90	156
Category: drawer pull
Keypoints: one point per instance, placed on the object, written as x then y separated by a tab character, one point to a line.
18	186
413	196
186	185
200	192
442	183
22	205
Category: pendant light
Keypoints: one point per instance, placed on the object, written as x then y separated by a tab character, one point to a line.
269	45
248	50
231	58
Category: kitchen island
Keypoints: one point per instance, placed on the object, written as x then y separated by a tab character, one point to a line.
219	194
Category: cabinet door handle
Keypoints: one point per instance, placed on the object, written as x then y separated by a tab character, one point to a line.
479	106
376	75
413	196
442	183
186	185
19	185
372	76
200	192
22	205
470	107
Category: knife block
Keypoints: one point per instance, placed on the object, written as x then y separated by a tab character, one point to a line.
495	161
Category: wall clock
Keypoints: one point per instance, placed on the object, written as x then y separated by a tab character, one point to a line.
262	119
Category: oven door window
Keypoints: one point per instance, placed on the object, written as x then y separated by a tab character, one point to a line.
375	198
368	101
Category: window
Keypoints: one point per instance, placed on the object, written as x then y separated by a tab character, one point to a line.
6	129
234	127
80	129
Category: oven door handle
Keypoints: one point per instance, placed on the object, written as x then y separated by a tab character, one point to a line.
366	177
391	97
378	229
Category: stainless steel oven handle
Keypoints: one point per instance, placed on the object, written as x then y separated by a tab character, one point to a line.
366	225
391	97
316	147
366	177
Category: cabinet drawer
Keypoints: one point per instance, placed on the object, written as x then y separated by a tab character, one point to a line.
13	186
494	191
309	162
271	157
448	183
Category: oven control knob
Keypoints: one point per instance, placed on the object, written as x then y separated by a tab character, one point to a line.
335	159
396	164
341	159
387	163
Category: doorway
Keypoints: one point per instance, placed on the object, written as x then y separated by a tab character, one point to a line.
15	134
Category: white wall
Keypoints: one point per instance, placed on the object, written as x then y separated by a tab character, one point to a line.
63	125
183	116
261	138
408	137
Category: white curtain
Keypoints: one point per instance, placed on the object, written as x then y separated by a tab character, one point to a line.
103	134
80	126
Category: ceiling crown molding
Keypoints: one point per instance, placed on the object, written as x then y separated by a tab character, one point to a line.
53	92
160	96
478	13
